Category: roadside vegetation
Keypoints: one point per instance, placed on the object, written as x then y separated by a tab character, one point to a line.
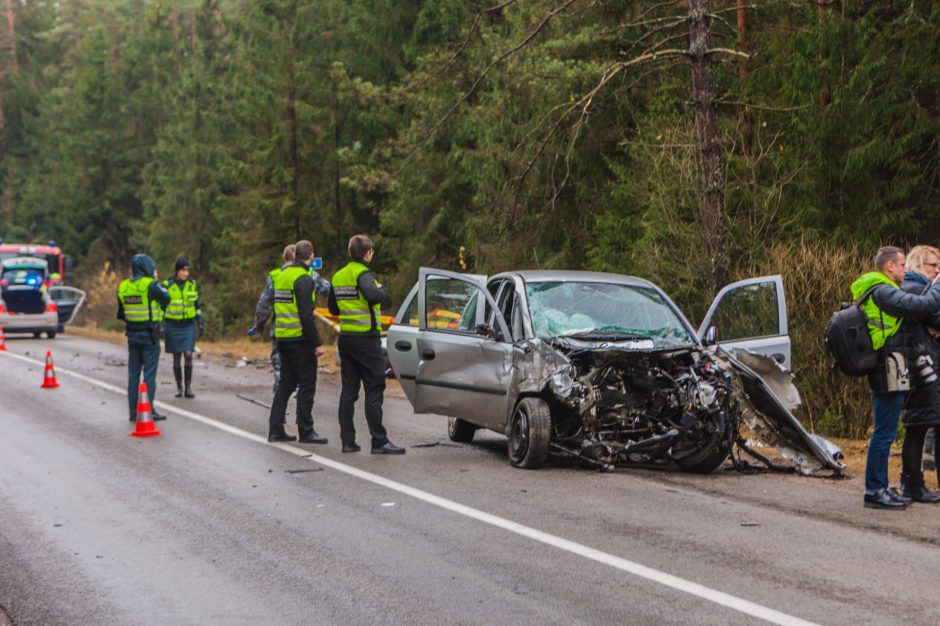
689	142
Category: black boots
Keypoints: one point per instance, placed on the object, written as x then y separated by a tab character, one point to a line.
189	380
178	375
278	435
914	489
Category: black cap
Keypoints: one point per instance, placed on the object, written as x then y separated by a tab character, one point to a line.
181	263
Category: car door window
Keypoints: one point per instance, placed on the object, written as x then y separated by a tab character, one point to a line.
410	317
748	311
451	304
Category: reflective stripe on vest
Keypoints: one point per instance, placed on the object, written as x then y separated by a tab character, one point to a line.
135	298
355	313
286	314
182	304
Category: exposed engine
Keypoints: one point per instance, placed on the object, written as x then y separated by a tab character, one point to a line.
624	406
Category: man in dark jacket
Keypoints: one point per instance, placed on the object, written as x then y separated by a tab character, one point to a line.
887	309
356	296
265	305
299	346
141	300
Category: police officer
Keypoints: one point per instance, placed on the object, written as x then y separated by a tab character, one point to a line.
141	300
183	316
355	296
265	305
298	344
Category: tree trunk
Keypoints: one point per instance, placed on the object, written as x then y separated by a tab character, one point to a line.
821	12
11	65
747	129
292	139
706	126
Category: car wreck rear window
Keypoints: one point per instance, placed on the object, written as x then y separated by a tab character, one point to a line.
604	310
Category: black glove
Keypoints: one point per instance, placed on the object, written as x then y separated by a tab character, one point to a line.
201	325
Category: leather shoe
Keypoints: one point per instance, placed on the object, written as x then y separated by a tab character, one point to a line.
312	437
897	495
280	437
882	499
388	448
919	493
158	417
352	447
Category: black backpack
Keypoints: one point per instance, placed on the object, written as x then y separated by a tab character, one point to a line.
849	341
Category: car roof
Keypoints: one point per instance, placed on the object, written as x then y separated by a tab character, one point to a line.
541	276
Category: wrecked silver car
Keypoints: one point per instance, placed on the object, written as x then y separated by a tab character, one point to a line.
604	369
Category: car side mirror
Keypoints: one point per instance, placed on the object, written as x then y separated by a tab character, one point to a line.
488	331
711	336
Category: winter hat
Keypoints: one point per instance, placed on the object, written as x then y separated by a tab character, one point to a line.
181	263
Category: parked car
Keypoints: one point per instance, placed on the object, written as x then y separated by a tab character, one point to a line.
25	307
602	368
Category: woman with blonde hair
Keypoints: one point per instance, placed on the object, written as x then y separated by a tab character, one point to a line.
922	408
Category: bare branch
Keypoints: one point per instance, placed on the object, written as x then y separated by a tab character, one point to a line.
736	53
519	46
466	42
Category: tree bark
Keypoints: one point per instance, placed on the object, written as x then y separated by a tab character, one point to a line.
706	126
11	65
821	12
747	129
292	147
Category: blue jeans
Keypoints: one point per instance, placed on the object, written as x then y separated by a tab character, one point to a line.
887	412
144	357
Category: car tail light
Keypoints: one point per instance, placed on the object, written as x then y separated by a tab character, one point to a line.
3	308
52	308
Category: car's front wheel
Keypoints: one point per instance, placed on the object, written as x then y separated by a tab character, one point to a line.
530	430
459	430
50	334
713	447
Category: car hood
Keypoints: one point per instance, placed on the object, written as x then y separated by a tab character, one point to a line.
769	398
765	389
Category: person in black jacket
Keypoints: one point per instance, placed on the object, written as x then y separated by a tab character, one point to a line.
922	407
888	310
298	343
356	297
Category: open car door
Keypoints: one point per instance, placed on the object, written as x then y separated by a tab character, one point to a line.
68	300
464	366
751	315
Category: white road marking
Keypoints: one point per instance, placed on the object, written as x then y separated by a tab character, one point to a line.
668	580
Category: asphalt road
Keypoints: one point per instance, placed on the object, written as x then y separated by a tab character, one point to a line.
209	524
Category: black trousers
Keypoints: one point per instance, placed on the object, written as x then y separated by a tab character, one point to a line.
298	371
361	363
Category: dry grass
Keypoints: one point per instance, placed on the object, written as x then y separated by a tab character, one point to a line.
817	276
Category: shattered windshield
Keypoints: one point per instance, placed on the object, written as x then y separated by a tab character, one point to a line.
613	312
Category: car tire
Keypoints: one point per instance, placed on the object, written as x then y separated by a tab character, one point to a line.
708	459
459	430
530	430
50	334
37	335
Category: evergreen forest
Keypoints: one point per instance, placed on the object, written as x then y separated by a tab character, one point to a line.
689	142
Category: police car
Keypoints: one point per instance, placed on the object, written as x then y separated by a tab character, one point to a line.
25	305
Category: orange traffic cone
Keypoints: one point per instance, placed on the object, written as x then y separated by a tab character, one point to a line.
145	427
49	381
3	341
